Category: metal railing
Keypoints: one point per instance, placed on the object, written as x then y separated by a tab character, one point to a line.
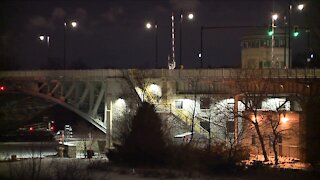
158	73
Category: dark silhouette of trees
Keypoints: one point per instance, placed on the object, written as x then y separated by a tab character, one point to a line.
146	143
312	129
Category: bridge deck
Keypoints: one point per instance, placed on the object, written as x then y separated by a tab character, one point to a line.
165	73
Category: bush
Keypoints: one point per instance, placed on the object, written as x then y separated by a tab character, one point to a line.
146	143
219	159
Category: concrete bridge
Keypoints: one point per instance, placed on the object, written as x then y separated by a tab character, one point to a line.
104	95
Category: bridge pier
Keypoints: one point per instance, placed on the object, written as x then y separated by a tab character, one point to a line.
108	120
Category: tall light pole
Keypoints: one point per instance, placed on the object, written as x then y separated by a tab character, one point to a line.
190	16
273	26
46	39
72	24
300	7
150	25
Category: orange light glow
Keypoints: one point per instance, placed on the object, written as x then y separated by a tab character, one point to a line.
284	119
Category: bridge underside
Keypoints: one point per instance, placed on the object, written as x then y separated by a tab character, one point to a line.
192	96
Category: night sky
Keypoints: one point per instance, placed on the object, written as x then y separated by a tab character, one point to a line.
112	34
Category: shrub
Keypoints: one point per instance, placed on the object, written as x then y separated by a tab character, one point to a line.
146	143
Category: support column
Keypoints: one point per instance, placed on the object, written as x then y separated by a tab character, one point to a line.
108	120
70	90
83	96
235	113
91	98
98	100
56	86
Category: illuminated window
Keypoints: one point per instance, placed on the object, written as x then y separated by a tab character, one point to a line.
230	126
204	103
279	139
179	104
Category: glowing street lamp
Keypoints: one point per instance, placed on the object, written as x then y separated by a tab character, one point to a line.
190	16
41	37
46	39
150	25
275	16
300	7
72	24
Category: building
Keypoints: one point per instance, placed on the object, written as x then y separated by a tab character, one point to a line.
258	51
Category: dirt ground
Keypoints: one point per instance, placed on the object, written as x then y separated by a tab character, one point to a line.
69	168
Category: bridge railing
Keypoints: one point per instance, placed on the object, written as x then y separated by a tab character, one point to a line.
232	73
99	74
72	74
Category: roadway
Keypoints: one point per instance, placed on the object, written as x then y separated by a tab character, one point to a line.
27	149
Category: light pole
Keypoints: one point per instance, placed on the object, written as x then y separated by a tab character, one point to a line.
273	26
46	39
150	25
72	24
300	7
190	16
201	47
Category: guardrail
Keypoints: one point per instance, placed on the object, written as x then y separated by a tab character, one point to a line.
160	73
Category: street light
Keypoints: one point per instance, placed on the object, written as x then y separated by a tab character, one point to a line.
275	16
300	7
271	33
72	24
154	25
148	25
190	16
46	39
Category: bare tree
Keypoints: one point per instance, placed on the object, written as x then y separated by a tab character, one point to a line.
253	90
274	118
